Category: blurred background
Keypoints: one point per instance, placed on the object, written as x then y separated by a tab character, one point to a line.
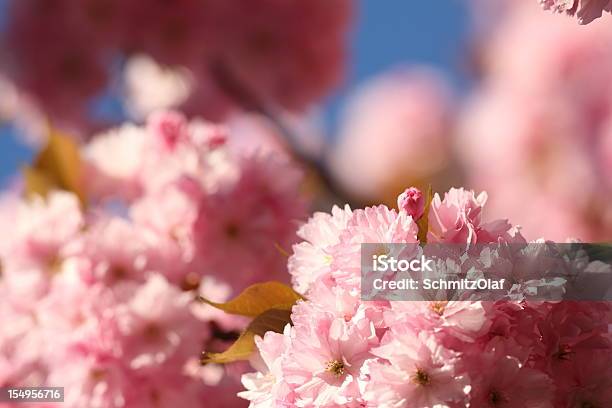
380	38
472	93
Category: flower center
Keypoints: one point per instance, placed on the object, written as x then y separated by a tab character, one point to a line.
496	398
328	259
438	307
118	272
336	367
564	352
421	377
381	249
97	374
232	231
54	263
152	332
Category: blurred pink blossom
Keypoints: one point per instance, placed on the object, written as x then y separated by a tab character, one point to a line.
539	121
210	57
170	206
396	130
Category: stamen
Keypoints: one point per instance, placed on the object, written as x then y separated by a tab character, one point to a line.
232	231
496	398
97	374
336	367
54	263
564	353
421	377
328	259
438	307
118	272
381	249
151	332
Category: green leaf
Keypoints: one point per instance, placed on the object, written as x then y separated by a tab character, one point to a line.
258	298
423	222
271	320
57	167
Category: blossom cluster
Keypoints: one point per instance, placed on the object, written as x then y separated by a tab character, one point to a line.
342	351
64	53
398	126
98	288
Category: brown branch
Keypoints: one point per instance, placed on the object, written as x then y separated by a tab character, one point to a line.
246	99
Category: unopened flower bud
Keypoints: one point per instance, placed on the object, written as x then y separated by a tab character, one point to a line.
412	201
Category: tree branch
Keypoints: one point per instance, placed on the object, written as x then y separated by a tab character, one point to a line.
246	99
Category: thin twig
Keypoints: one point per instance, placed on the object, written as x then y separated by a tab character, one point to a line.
234	88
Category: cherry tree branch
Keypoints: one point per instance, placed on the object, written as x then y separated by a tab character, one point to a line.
246	99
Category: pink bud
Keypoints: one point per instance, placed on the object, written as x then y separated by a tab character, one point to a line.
412	202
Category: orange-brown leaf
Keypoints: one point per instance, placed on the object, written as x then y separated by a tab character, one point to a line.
258	298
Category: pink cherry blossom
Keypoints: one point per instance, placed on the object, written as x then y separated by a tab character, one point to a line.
159	326
311	259
42	228
239	230
452	353
373	225
421	373
502	380
100	259
268	386
585	383
206	199
458	218
464	320
326	358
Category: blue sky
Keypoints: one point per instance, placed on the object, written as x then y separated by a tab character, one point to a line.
387	33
